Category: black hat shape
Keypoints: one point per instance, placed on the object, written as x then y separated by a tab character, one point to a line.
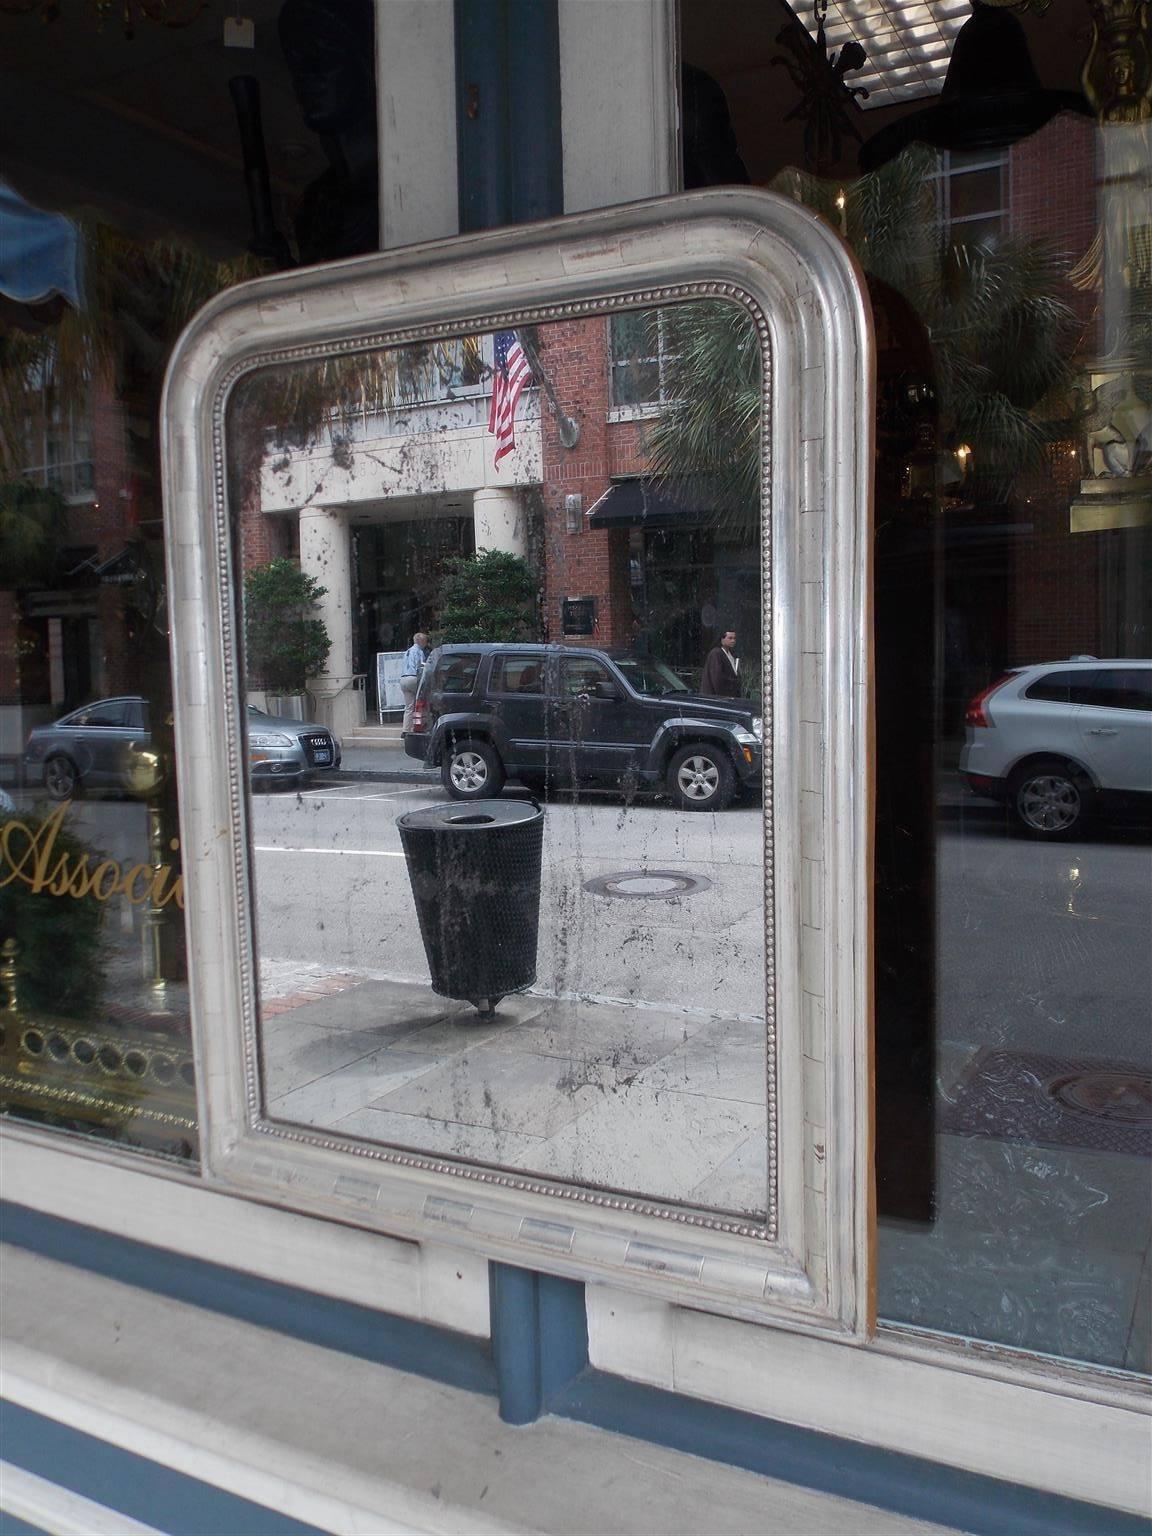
991	97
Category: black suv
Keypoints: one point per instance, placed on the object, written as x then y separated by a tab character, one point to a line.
567	715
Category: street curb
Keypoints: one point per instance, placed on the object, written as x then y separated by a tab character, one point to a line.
387	776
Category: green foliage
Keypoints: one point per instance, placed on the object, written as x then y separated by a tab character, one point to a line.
33	530
712	427
286	642
138	297
487	596
1002	330
60	959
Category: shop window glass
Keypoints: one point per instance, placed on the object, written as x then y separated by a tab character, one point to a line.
1006	256
93	968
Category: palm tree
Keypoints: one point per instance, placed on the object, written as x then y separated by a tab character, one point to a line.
33	527
1002	331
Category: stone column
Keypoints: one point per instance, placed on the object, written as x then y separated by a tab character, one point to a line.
326	555
500	521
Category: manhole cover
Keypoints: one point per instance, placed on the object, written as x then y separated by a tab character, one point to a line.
647	884
1122	1096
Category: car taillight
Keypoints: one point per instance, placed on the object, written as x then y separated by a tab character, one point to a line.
419	715
975	714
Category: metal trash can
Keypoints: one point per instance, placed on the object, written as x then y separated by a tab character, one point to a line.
475	873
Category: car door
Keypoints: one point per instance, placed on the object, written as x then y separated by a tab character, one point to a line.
516	693
593	724
1115	724
100	735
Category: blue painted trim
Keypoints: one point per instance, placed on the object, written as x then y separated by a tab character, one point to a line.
536	150
563	1336
510	162
544	1363
905	1485
514	1309
482	121
539	1339
171	1501
10	1526
453	1358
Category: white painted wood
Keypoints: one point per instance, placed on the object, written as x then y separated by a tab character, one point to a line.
416	105
806	1265
167	1209
618	101
1025	1425
59	1511
352	1447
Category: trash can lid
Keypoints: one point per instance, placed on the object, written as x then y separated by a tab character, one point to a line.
467	816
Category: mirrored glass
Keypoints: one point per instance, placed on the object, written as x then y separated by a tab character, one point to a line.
504	680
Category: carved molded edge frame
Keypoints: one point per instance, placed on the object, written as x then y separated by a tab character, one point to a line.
808	1264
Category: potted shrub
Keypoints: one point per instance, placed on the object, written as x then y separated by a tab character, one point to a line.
285	638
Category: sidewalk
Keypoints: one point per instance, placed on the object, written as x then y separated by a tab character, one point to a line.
387	762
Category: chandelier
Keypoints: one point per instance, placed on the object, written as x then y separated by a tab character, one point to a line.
166	13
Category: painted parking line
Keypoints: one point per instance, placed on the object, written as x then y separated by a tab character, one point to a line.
353	792
360	853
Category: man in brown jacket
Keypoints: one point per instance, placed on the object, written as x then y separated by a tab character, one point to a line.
721	676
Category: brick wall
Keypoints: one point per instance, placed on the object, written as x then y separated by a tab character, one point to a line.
594	562
1055	606
1052	194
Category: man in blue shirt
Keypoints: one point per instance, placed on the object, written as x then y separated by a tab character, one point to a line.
414	658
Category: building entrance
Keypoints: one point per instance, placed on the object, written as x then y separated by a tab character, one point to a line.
397	572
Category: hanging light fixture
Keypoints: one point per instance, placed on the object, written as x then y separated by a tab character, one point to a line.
991	97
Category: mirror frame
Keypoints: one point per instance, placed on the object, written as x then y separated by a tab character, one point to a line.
808	1264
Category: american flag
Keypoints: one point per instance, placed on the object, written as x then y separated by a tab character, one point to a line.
510	374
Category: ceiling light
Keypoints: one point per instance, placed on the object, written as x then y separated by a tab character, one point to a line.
908	43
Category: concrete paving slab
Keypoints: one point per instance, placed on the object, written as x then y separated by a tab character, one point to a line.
295	1054
653	1143
523	1094
440	1138
326	1101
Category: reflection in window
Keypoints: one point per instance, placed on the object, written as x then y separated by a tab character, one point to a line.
636	1060
972	188
518	674
639	356
1011	296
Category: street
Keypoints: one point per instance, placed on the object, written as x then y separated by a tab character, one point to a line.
332	887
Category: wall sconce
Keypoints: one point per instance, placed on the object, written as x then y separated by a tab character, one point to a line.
574	514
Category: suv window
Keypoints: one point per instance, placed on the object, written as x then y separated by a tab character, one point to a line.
517	674
580	674
456	674
1121	688
1064	688
115	713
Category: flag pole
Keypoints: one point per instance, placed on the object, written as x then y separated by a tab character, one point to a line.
569	428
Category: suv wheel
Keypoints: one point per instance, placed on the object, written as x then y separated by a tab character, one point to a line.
471	770
700	778
61	778
1050	800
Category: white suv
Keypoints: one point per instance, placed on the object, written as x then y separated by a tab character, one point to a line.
1061	742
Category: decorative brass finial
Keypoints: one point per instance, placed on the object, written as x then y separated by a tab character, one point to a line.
8	971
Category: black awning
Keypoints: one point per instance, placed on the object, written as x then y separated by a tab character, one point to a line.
658	501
